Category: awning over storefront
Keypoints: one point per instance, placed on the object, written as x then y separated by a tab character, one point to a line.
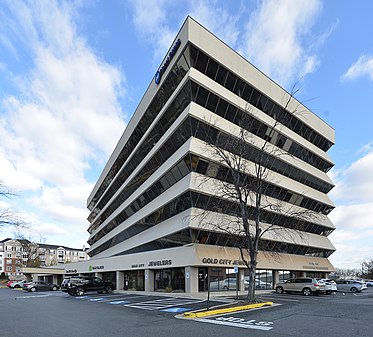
42	271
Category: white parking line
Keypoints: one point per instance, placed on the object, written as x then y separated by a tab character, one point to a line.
122	298
33	296
162	303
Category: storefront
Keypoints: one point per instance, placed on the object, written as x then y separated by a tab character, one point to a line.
195	268
134	280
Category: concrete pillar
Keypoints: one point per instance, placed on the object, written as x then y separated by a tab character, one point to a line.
191	280
98	275
149	280
276	277
119	280
55	279
303	274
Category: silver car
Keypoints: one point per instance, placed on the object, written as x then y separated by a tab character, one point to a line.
351	285
304	285
34	286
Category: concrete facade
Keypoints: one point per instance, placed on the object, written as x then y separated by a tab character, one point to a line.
145	226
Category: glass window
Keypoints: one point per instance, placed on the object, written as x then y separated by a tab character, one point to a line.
255	96
169	279
201	62
202	96
182	66
212	68
231	113
212	102
231	81
239	87
222	107
221	76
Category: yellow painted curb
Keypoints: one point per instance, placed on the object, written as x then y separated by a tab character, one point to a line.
226	310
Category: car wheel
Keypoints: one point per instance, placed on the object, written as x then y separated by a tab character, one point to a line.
354	290
17	286
54	288
306	292
279	290
100	292
33	289
109	290
328	292
79	292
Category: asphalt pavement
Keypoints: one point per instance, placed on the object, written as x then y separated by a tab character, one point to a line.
57	314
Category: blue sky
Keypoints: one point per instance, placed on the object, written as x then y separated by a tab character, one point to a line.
72	73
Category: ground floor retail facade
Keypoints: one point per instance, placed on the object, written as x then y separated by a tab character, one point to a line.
196	268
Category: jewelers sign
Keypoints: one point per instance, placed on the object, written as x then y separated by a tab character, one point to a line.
225	262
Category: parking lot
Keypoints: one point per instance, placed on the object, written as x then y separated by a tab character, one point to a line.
138	314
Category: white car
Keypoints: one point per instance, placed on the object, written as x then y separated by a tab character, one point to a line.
17	284
351	285
330	286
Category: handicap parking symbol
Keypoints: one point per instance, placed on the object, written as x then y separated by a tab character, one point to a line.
175	310
118	302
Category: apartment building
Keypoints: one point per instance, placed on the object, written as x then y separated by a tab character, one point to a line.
15	254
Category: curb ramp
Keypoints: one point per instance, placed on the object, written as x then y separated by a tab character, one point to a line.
198	314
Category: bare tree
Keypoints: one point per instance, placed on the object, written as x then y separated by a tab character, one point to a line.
367	270
8	216
242	191
30	249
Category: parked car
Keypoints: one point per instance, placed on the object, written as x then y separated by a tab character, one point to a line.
78	285
259	284
34	286
369	283
351	285
9	283
17	284
329	286
304	285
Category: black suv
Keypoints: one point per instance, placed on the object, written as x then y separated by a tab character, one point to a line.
78	285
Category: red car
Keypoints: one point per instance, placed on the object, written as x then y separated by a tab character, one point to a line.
9	283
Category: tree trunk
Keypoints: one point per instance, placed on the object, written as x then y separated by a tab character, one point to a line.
251	290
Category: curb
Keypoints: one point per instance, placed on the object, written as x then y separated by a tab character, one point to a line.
226	310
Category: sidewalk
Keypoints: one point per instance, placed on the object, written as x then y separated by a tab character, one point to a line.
221	296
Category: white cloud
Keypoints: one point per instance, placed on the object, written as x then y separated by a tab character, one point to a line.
362	67
216	19
354	184
65	118
150	19
276	38
47	229
353	216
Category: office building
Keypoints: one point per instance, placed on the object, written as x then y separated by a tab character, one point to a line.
148	227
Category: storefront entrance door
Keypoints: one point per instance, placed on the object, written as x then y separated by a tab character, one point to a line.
202	279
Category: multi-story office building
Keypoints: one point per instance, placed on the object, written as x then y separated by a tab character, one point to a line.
146	229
